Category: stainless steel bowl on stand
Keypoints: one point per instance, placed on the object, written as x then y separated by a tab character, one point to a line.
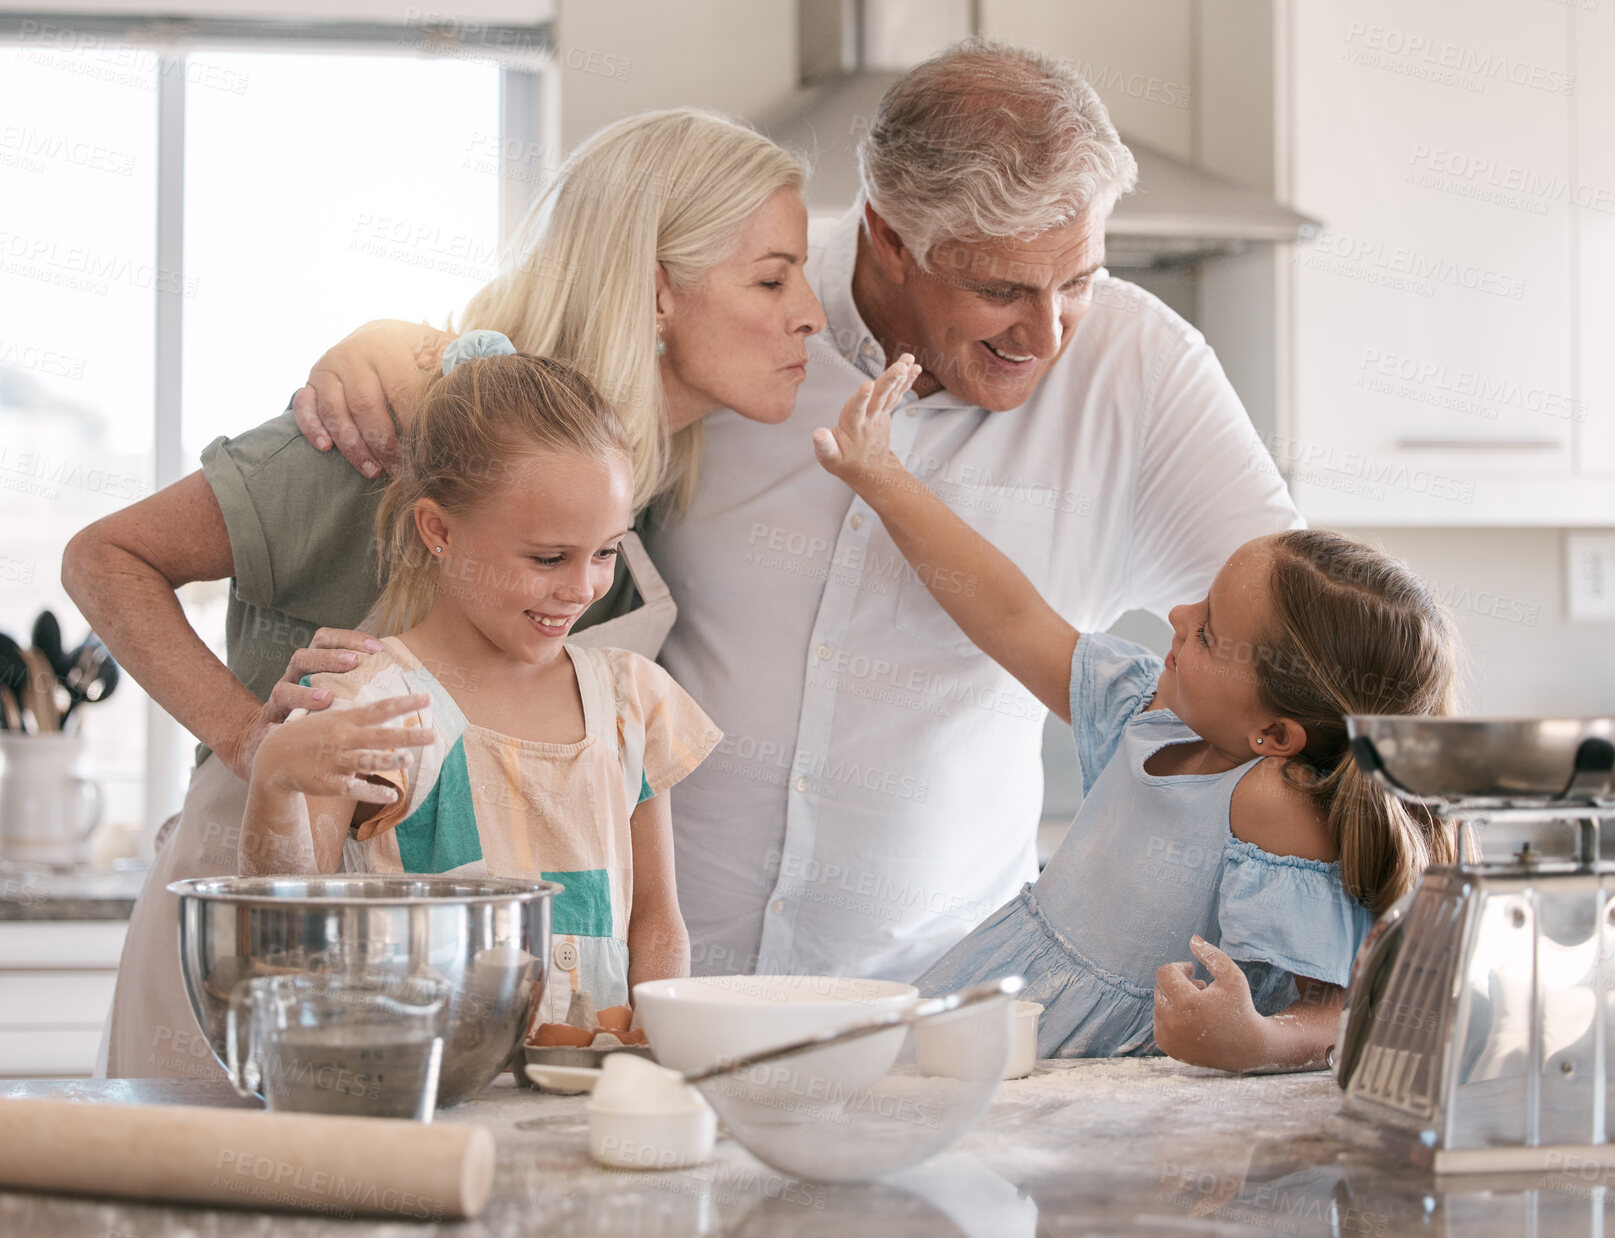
487	938
1477	1033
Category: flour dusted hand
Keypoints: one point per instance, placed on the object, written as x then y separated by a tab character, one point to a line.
1204	1024
332	650
330	753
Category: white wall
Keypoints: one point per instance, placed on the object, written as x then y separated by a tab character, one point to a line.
1506	588
735	56
1138	55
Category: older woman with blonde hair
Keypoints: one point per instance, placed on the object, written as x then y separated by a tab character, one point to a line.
665	263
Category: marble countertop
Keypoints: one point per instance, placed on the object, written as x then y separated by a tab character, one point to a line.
83	894
1147	1147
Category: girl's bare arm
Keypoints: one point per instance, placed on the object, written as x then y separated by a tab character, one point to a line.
658	943
983	592
309	779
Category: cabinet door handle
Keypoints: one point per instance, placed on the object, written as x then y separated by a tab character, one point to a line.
1479	444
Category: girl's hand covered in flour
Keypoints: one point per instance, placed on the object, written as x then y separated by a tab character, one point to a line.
1204	1024
1217	1024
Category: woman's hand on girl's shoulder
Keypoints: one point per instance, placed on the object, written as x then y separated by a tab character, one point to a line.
329	754
1273	809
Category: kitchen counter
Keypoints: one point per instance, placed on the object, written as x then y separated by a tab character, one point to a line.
1116	1147
87	894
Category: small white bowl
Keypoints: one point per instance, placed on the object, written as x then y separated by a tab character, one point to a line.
951	1047
634	1139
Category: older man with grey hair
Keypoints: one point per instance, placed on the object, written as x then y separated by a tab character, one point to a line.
879	787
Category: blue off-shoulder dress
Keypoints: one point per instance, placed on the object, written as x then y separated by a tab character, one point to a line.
1148	862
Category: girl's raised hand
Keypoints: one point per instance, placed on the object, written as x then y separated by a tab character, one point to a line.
1204	1024
327	754
858	449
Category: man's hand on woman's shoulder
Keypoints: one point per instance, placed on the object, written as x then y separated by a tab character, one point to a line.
362	391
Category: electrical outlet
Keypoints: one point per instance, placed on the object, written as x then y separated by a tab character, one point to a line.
1590	575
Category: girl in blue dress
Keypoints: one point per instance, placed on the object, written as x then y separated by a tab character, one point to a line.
1222	812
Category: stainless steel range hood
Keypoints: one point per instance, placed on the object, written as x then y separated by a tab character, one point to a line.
1178	214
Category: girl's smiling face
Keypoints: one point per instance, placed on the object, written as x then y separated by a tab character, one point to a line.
521	566
1210	677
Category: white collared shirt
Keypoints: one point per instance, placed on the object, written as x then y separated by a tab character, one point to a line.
878	787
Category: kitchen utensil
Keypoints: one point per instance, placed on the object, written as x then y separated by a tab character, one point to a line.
48	808
40	699
644	1116
567	1080
247	1159
792	1115
488	938
92	677
788	1105
13	673
47	638
361	1043
678	1139
565	1061
1476	1033
1475	763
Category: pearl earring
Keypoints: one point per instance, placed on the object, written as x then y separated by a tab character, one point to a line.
1258	738
437	550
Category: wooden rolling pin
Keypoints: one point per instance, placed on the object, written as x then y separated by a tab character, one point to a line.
246	1158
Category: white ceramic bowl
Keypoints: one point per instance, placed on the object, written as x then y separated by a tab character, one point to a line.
698	1021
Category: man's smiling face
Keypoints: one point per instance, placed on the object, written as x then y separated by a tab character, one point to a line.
990	318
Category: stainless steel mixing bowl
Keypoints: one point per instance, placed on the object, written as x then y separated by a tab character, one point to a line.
1489	762
488	938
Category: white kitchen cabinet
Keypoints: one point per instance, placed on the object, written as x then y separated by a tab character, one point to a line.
56	980
1444	325
1593	30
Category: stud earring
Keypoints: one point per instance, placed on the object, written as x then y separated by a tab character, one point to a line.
1258	738
437	550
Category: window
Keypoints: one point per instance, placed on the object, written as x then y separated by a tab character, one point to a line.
306	190
78	175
